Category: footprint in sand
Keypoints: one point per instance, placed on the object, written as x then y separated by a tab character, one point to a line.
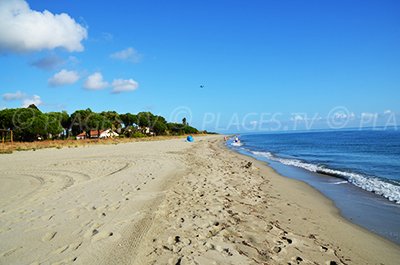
49	236
298	260
290	241
61	249
11	251
100	235
75	246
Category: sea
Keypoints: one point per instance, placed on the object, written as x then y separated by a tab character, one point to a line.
359	170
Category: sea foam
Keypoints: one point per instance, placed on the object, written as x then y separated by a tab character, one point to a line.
369	183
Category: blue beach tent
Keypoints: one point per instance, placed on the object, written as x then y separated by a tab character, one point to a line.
190	138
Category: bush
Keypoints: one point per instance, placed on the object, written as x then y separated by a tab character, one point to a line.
138	135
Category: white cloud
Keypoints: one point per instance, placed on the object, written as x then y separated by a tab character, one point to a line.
23	98
95	82
14	96
387	112
24	30
35	99
123	85
64	77
129	54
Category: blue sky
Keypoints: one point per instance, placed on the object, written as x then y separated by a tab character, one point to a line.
299	60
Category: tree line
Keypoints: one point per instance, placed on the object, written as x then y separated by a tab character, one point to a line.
29	124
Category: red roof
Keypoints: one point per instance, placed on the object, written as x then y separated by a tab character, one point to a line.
82	134
94	133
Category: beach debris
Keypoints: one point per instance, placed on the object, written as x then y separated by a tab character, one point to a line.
248	165
173	240
277	249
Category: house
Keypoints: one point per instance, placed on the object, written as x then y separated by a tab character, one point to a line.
146	130
81	136
95	134
108	134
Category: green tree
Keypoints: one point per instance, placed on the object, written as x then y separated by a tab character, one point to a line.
129	119
78	121
37	127
96	121
33	106
22	119
145	119
190	130
6	118
61	119
175	128
114	119
54	122
159	127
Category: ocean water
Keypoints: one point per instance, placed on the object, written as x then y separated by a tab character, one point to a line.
358	170
368	159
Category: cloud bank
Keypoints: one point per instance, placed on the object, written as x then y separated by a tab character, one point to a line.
25	30
64	77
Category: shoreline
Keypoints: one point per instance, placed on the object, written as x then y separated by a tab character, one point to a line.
170	202
314	192
356	205
252	215
315	195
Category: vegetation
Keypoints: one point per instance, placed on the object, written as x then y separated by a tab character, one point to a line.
30	124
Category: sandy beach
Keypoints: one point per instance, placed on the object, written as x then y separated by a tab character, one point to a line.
169	202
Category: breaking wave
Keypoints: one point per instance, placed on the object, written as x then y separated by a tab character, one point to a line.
374	184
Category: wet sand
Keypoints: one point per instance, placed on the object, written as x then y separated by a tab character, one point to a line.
169	202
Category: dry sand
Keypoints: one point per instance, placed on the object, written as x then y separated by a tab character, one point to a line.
169	202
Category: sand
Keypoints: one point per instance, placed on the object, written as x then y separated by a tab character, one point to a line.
169	202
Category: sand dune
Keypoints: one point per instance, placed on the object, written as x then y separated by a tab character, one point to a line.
169	202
